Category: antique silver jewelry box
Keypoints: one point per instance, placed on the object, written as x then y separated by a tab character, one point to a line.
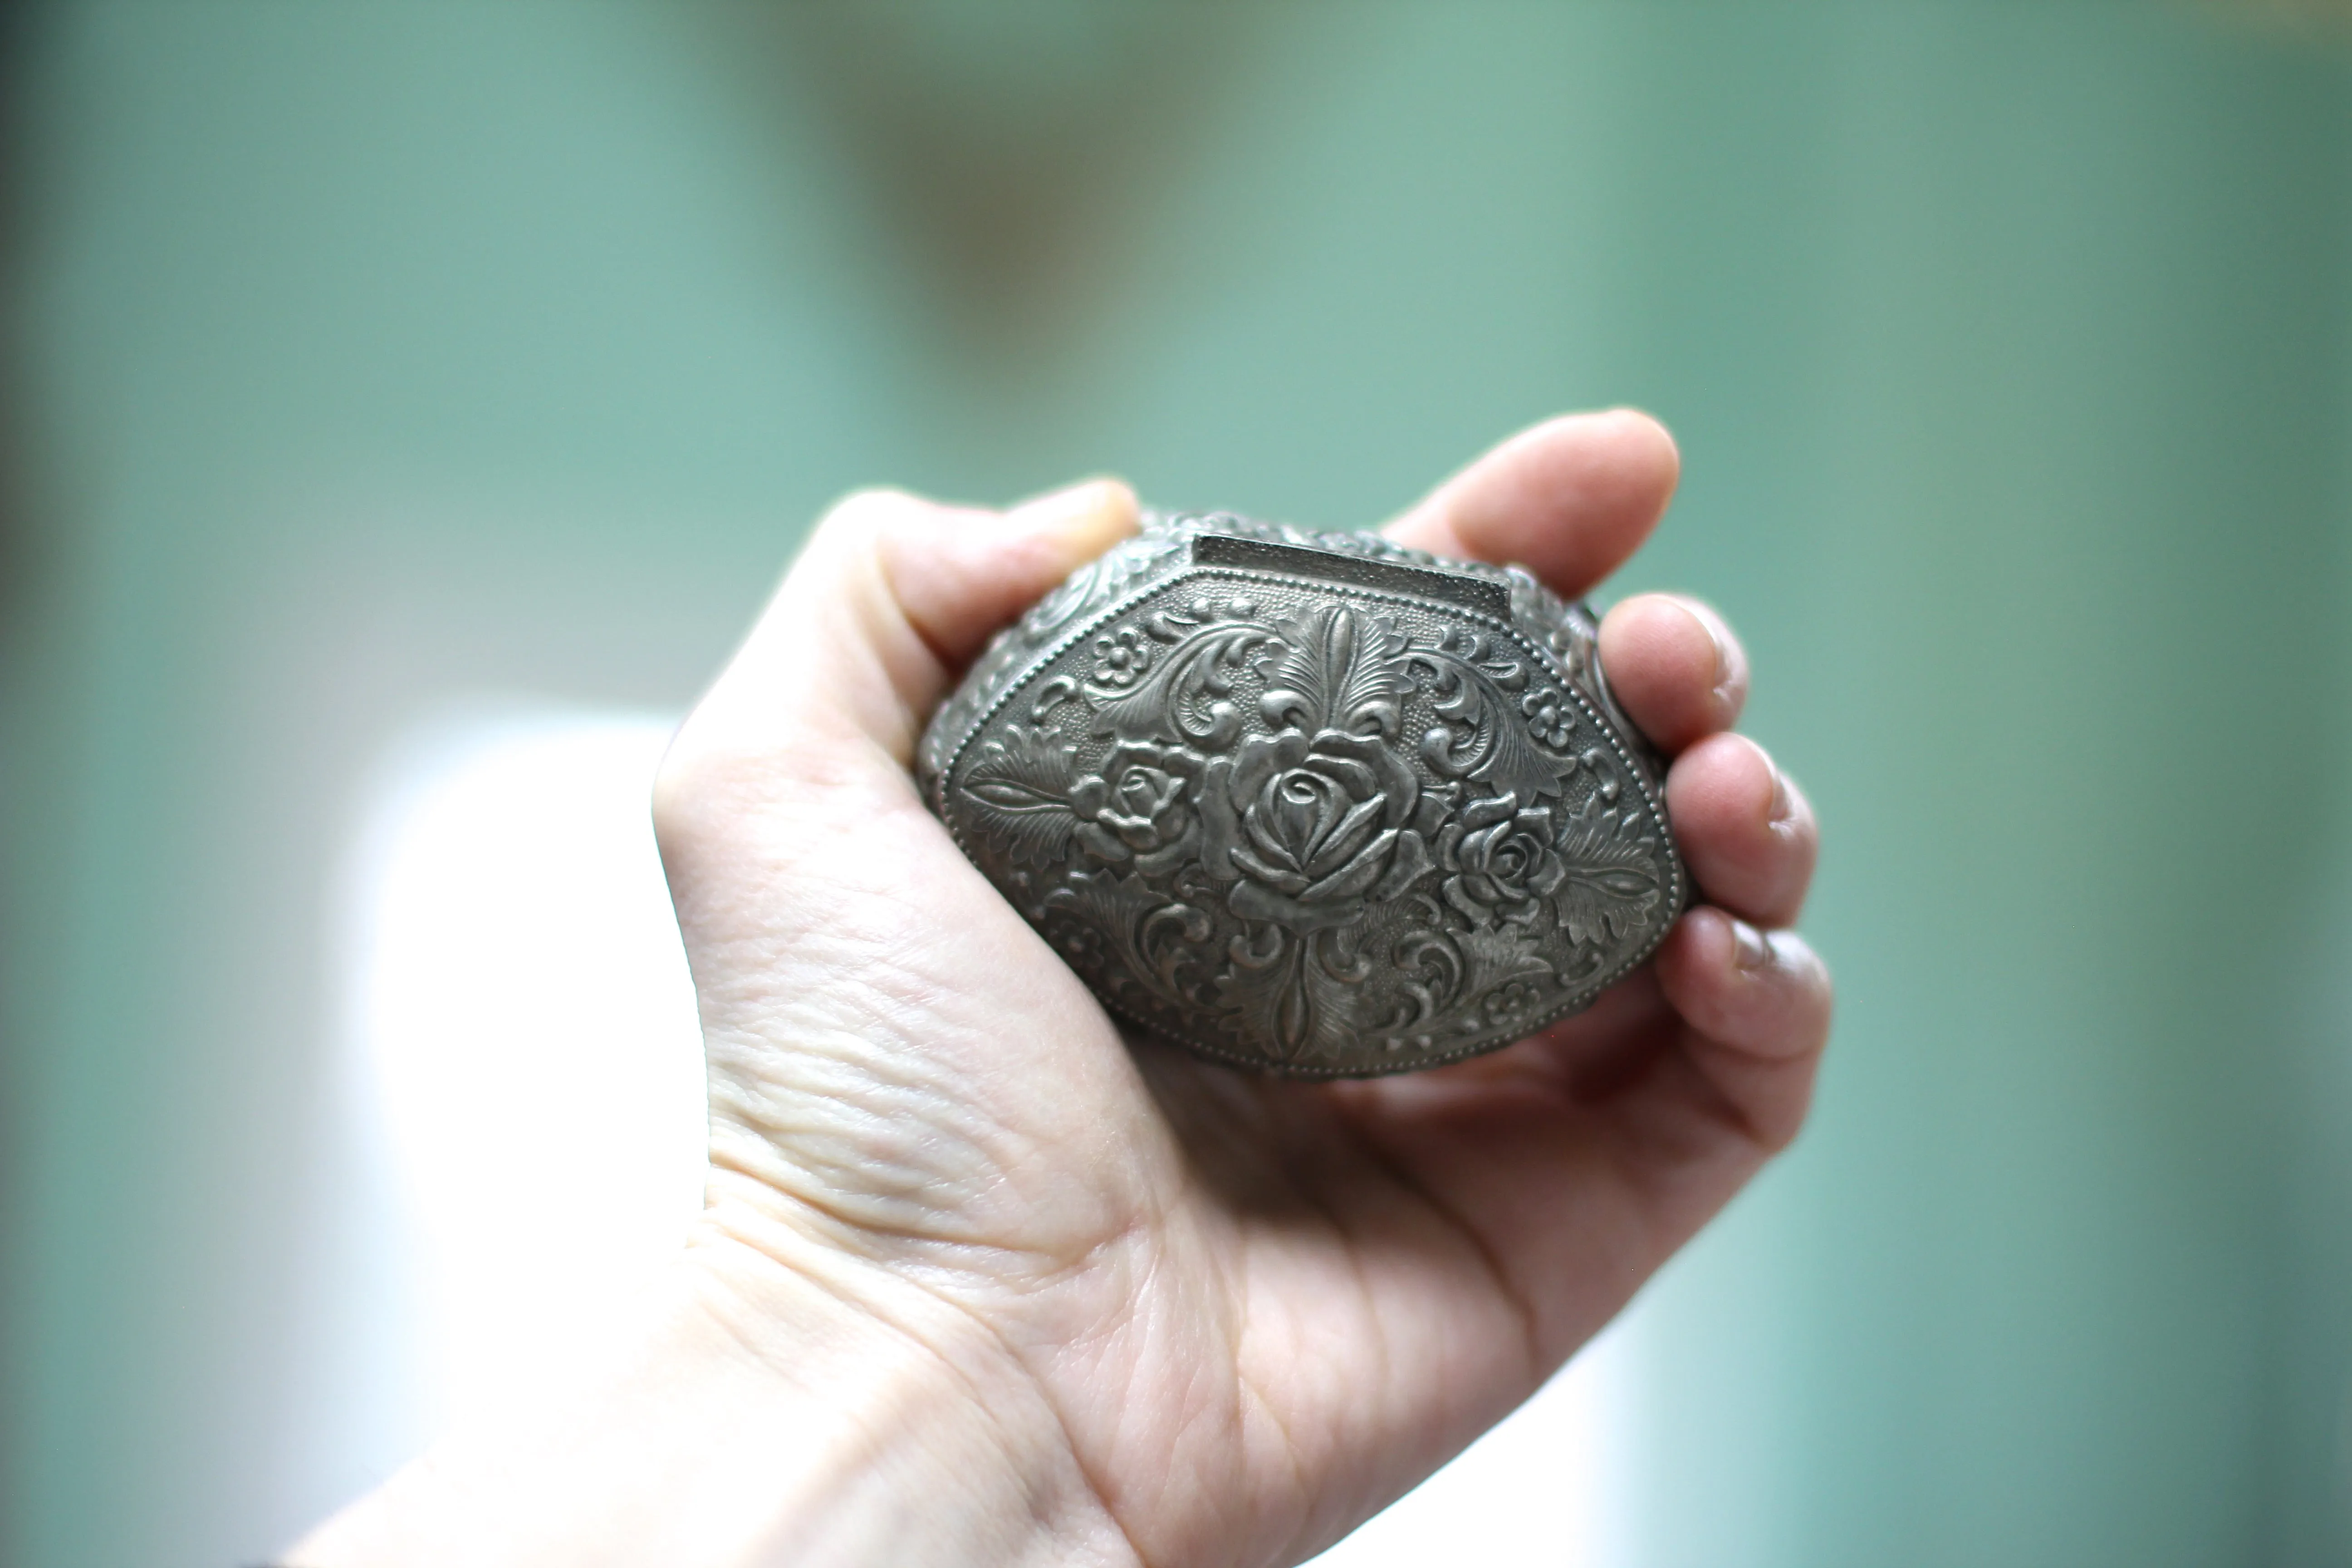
1311	803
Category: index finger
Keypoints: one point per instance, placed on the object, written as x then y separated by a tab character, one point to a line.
1568	499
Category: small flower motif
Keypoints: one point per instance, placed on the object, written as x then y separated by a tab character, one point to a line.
1549	715
1511	1001
1121	658
1082	946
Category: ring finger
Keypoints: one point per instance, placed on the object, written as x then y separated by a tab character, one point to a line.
1745	829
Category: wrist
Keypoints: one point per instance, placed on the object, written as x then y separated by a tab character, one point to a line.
941	1447
807	1412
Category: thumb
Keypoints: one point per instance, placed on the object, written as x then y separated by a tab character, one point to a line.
961	575
891	597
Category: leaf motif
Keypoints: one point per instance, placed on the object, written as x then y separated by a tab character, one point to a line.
1180	702
1021	783
1334	993
1485	737
1261	991
1150	939
1493	954
1339	669
1612	882
1430	968
1304	998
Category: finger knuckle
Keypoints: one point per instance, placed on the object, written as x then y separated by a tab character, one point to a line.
1776	1127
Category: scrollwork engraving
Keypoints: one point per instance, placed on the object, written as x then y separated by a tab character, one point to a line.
1325	828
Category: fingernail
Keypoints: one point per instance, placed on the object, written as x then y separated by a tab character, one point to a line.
1783	805
1724	673
1751	951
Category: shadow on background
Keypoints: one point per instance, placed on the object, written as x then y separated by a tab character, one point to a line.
376	359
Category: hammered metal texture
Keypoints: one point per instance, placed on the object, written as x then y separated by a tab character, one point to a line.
1311	803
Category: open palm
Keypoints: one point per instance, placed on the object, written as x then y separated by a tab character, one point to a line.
1225	1318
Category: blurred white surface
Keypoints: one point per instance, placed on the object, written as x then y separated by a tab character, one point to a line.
528	1058
528	1071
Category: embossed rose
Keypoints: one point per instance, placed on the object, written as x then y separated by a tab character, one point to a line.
1138	806
1500	859
1310	830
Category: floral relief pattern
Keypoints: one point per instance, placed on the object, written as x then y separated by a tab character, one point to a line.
1502	858
1307	830
1121	658
1141	807
1323	833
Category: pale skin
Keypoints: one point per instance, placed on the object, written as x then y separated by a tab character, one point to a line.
979	1281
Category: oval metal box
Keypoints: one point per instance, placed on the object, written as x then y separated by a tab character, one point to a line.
1311	803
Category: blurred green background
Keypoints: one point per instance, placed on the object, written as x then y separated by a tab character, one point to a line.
367	355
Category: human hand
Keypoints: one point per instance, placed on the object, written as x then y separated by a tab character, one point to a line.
1113	1303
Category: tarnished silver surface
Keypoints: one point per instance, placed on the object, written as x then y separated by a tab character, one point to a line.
1311	803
